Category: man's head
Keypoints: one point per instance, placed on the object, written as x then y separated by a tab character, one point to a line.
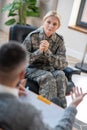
13	61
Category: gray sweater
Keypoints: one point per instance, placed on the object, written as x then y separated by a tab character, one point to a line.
17	115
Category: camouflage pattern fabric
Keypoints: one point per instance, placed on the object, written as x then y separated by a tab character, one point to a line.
46	68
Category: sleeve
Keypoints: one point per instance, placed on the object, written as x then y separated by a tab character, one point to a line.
58	60
67	120
33	55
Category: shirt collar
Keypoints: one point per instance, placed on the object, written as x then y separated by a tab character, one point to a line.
6	89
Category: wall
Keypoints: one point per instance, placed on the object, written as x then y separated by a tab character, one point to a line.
3	16
75	41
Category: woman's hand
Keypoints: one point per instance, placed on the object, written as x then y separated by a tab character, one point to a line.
77	96
44	44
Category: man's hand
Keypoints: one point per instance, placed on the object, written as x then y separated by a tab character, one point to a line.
21	87
77	96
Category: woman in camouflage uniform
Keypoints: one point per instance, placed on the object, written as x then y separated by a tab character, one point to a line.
47	56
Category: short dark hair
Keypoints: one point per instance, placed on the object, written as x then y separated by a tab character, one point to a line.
12	54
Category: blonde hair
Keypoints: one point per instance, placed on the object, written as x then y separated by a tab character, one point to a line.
53	13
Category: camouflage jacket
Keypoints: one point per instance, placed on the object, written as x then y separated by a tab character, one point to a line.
53	58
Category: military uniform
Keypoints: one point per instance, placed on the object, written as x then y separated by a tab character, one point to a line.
46	68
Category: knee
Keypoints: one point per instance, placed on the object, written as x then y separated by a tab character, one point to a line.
46	77
47	80
49	75
60	74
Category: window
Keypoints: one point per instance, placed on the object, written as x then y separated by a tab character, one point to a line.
78	18
82	14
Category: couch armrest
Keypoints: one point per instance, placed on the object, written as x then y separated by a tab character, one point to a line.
70	71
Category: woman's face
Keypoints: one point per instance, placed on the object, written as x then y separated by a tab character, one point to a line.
50	25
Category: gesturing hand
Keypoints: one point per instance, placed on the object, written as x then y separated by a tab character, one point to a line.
77	96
